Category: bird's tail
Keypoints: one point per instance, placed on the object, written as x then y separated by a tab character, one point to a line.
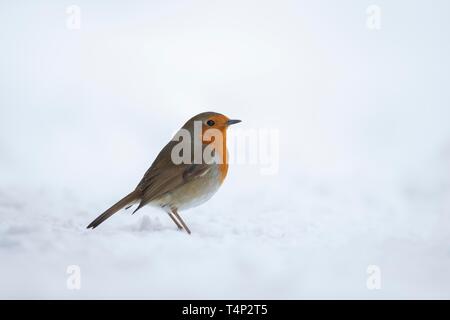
132	197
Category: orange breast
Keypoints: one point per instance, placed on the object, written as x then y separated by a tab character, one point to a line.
223	166
223	171
220	145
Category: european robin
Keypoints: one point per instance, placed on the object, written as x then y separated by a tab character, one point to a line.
186	173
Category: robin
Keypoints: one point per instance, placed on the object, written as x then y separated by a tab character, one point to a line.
185	173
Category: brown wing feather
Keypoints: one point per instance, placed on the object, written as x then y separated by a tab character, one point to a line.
164	176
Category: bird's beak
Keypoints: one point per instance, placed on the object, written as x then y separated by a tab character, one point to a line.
230	122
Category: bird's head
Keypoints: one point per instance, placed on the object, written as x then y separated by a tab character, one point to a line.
209	122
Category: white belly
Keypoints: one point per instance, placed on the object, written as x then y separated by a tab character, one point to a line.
193	193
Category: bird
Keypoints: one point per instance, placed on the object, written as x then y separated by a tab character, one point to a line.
187	172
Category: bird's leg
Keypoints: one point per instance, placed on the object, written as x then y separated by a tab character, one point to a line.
174	220
175	212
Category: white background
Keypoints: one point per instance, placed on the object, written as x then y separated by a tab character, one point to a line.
364	163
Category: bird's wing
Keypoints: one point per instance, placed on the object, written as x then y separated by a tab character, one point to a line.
164	175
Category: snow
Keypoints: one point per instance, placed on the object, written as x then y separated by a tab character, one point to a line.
363	155
317	243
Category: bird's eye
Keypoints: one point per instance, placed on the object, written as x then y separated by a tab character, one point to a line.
210	123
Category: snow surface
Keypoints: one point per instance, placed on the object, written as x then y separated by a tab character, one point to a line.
364	149
315	241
